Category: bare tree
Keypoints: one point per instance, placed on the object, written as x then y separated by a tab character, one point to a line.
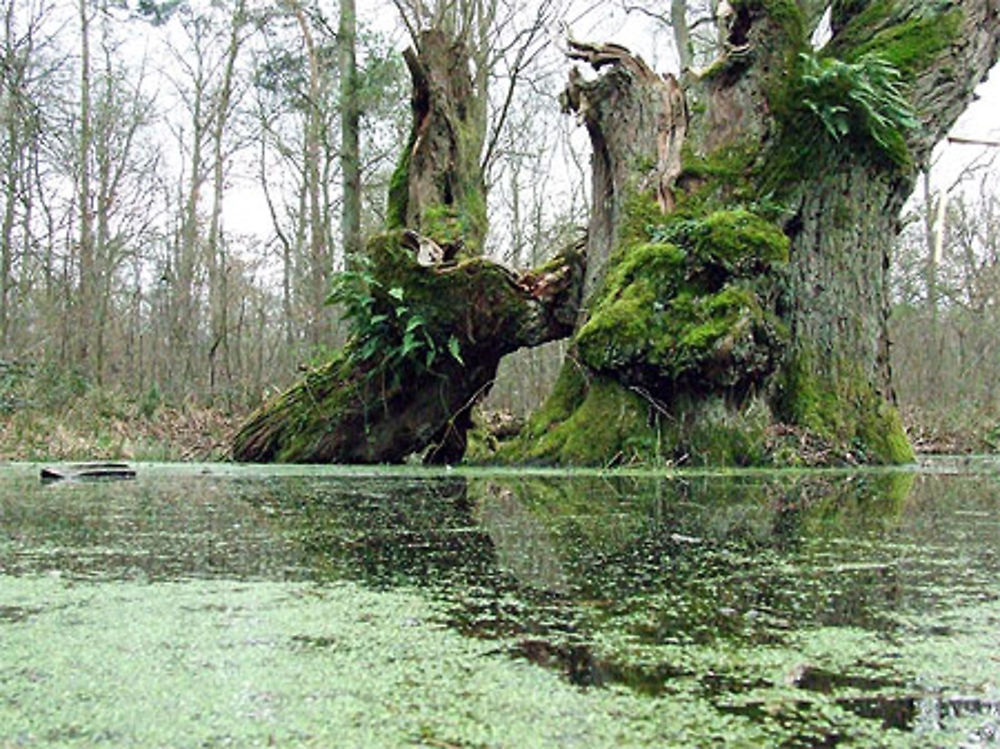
350	131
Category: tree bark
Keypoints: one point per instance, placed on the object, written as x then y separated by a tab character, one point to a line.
85	256
216	260
438	187
350	127
320	258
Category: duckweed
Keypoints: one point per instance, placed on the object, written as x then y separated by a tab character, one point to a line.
221	606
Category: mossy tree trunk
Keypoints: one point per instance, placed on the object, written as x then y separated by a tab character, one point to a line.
736	303
431	317
438	187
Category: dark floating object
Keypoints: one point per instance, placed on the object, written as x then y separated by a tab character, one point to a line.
87	472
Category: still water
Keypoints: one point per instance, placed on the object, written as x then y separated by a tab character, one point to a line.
203	606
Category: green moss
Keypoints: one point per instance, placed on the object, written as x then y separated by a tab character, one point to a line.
609	425
659	265
880	430
910	43
640	212
913	46
473	219
731	162
788	16
462	220
835	111
567	394
443	224
849	101
304	412
399	192
784	13
711	432
840	407
738	240
691	311
726	179
680	337
675	310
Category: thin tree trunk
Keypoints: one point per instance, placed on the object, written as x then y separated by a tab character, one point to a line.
216	260
682	35
321	265
85	297
350	129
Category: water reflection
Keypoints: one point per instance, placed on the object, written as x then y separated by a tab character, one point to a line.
817	608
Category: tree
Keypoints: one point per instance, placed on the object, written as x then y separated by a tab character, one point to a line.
431	317
350	130
22	77
735	300
945	357
223	103
740	237
111	171
86	296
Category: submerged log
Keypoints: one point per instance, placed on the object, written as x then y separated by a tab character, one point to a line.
92	471
435	338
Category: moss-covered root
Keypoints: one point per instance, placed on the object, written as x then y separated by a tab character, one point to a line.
843	409
587	421
300	424
594	420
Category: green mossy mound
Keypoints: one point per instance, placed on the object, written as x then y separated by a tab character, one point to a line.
684	361
694	310
587	421
442	295
687	309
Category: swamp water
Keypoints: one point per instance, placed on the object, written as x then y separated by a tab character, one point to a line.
225	606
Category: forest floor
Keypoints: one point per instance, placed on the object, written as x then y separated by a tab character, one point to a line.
935	432
108	426
114	428
47	414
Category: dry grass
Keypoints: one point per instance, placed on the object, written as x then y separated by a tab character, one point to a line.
105	426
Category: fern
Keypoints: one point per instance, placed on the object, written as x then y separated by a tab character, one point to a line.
386	332
865	98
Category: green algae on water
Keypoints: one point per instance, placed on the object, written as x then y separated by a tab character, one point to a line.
318	607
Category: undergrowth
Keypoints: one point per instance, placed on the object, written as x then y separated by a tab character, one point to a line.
51	414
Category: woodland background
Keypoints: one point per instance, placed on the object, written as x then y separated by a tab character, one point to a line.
173	209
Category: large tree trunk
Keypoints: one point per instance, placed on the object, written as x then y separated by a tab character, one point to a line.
407	383
747	220
431	317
